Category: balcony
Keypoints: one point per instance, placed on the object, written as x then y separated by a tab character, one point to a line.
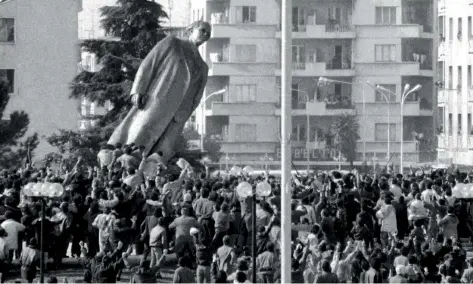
321	31
306	69
222	27
442	141
390	68
418	108
251	147
318	108
316	145
381	146
240	109
442	50
221	65
339	68
398	31
442	97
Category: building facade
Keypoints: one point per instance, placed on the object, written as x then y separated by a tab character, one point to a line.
38	57
455	89
352	45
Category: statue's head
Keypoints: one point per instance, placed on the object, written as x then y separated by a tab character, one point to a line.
199	32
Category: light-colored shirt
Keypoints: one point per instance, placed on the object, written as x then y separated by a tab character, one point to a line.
104	223
12	228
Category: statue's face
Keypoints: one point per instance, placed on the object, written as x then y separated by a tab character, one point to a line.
200	34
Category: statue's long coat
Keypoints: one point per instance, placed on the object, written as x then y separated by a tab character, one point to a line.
173	75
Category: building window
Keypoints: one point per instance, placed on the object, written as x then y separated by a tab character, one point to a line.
442	28
468	78
450	29
298	53
385	15
92	109
470	32
245	14
450	77
7	30
8	76
245	52
298	18
385	52
299	132
459	33
245	133
243	93
459	78
381	96
381	132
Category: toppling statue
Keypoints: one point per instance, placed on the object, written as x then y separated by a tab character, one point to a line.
168	87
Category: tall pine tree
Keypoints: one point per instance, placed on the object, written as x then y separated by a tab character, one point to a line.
13	152
134	28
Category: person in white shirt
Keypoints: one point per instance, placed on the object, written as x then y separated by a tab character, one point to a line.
104	222
395	189
12	228
429	193
105	156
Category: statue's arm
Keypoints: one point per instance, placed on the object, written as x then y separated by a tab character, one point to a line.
149	67
200	92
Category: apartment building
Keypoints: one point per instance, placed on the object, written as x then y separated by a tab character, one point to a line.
89	27
355	45
38	58
455	89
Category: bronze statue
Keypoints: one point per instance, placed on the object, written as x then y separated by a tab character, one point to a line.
168	87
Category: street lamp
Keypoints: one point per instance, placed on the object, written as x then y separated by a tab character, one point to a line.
340	158
374	163
407	91
219	92
383	92
245	190
324	81
42	191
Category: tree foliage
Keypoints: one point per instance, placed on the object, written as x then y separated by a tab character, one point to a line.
133	27
13	151
72	145
136	26
345	131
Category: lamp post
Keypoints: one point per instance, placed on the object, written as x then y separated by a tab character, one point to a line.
42	191
286	129
383	92
227	158
245	190
407	91
374	163
202	134
325	80
308	126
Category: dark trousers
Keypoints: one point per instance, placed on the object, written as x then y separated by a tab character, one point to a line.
92	243
208	228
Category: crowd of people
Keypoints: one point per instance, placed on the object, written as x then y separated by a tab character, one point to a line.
347	226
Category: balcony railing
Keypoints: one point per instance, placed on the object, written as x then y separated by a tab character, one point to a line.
424	104
329	27
337	28
338	64
219	18
298	65
339	105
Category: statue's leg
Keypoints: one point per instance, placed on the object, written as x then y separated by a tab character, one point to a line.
167	140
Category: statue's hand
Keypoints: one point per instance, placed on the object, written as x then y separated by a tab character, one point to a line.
139	100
